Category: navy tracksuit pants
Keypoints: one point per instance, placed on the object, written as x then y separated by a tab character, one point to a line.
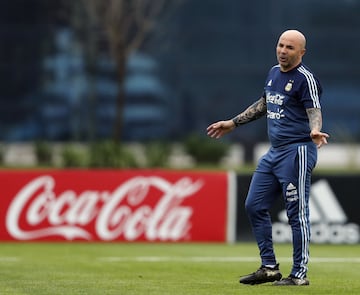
285	170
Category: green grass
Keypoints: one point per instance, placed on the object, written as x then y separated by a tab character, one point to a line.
171	269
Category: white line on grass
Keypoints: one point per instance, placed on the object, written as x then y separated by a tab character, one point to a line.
221	259
9	259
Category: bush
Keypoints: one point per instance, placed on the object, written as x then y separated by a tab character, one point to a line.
73	157
2	155
157	153
205	150
112	155
43	153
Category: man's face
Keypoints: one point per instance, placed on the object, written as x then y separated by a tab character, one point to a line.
289	52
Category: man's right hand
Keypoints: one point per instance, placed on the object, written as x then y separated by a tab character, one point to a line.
218	129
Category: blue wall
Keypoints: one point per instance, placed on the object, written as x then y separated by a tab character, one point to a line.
206	61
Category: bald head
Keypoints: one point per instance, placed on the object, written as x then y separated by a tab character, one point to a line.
290	49
295	36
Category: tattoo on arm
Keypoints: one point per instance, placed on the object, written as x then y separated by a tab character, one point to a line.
315	118
253	112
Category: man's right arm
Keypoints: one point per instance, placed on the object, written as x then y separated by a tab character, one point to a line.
253	112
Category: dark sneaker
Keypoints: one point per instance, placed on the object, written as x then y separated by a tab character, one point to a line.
292	281
262	275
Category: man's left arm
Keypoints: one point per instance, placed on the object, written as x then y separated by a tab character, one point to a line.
315	123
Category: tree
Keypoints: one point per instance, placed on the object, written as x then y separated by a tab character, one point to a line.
125	24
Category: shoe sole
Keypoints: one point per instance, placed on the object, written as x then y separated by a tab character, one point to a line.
257	282
279	283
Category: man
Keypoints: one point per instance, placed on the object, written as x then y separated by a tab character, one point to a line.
291	101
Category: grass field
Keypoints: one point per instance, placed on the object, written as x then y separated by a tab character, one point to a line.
171	269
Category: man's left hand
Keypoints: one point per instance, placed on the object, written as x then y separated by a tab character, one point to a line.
319	138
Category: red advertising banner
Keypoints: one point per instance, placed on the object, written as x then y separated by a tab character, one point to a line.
114	205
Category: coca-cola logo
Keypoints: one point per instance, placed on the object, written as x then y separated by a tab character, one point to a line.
38	212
